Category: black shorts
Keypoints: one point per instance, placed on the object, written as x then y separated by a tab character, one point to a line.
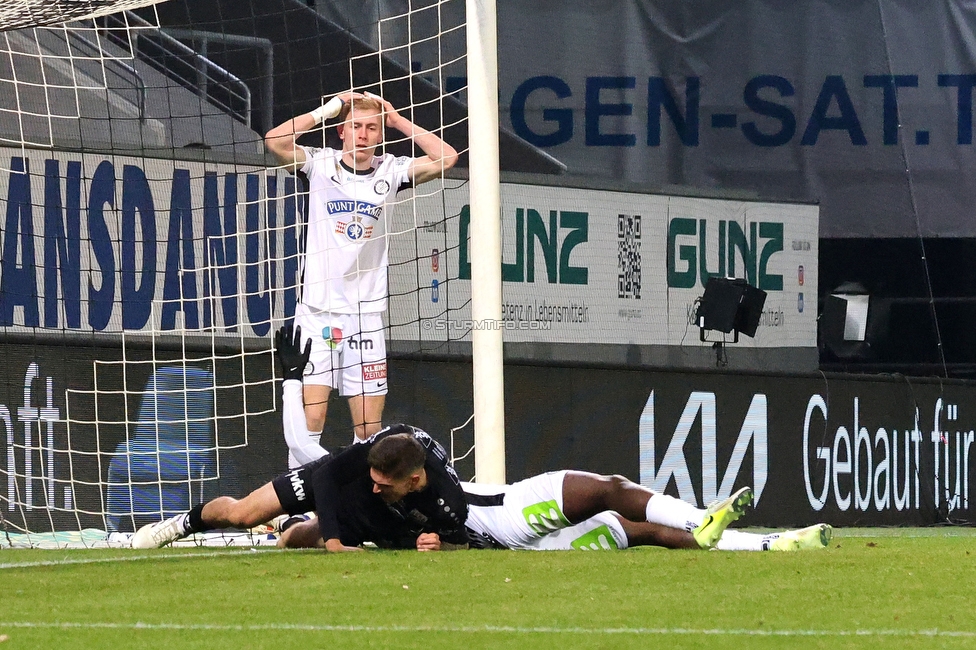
294	489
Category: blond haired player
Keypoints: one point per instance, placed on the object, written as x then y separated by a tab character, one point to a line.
344	271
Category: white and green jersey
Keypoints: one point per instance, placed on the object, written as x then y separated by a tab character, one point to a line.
346	250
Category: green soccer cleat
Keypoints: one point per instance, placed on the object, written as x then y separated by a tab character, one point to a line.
804	539
719	515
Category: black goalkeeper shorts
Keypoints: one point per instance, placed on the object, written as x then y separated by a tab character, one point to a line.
294	489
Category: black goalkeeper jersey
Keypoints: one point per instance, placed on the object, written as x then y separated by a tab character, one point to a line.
350	511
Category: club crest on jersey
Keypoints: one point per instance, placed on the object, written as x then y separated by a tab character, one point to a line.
332	336
381	187
354	229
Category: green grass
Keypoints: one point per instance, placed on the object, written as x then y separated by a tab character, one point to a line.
905	588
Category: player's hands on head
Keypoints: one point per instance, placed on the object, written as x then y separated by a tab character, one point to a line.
291	356
429	542
333	106
350	95
390	116
336	546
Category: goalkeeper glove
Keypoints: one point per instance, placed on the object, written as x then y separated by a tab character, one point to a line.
290	354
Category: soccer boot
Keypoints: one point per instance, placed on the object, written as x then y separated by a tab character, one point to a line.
719	515
159	534
809	538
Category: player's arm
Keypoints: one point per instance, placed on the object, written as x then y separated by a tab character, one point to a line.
335	545
293	359
450	533
326	480
306	535
439	156
282	140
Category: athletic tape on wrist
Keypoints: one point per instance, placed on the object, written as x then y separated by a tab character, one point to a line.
327	111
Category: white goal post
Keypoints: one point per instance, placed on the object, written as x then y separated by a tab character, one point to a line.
486	292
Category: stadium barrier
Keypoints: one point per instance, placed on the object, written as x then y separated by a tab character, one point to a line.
849	450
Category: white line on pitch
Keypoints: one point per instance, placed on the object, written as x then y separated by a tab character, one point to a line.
121	558
490	628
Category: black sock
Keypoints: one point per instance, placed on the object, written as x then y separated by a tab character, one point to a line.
195	520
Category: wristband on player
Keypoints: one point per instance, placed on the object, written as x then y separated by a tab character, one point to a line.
327	110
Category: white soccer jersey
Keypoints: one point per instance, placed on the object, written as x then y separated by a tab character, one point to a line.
346	249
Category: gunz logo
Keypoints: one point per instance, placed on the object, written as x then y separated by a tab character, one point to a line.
674	464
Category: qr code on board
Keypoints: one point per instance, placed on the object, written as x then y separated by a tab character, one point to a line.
629	256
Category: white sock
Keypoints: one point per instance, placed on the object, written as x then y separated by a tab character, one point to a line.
356	440
736	540
315	436
668	511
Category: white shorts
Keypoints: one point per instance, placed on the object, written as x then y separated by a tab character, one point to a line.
602	532
528	515
348	351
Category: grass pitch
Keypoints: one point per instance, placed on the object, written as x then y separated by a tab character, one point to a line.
906	588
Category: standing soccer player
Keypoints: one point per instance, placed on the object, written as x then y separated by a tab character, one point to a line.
344	275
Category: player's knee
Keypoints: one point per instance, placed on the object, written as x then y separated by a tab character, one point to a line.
242	515
616	484
315	418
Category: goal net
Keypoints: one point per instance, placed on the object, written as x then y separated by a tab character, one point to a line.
151	247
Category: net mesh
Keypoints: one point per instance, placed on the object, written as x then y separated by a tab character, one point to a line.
19	14
151	248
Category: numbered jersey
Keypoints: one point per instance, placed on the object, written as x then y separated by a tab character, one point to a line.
346	249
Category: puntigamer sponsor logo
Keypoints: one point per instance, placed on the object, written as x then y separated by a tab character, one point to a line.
883	465
738	252
355	207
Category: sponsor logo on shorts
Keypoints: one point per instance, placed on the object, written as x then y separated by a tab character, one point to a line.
297	485
360	343
545	517
373	371
598	539
332	336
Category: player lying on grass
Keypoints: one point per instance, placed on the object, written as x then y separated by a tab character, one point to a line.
537	513
531	515
389	490
398	490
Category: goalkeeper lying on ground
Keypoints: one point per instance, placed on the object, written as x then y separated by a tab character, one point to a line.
398	490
